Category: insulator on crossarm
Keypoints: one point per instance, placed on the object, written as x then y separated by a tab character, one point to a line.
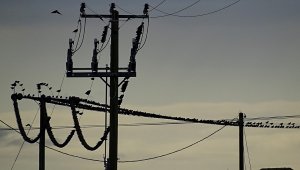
94	63
112	7
120	101
124	86
82	8
139	32
146	7
69	63
104	34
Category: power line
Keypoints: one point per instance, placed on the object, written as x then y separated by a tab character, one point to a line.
178	150
176	12
122	124
21	147
193	16
127	161
64	153
273	117
249	159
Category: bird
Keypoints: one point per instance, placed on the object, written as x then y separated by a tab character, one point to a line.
58	91
88	92
56	12
76	30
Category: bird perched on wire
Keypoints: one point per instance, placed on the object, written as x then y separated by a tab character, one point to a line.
56	12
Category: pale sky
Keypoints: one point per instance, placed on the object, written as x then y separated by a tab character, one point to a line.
242	59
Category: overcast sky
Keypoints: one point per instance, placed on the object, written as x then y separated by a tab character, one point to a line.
241	59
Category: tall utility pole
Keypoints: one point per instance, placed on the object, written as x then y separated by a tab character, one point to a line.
114	67
241	140
114	73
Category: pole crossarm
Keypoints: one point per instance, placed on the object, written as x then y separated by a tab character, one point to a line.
110	16
101	74
95	106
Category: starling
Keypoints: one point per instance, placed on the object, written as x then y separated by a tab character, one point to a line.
76	30
88	92
56	12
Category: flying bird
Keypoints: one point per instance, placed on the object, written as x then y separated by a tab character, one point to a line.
56	12
76	30
88	92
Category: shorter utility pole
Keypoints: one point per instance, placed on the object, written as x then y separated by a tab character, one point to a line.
241	140
42	133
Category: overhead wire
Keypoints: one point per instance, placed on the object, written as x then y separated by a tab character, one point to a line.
249	159
192	16
156	6
93	11
273	117
176	12
173	152
121	125
79	34
146	36
22	145
82	39
56	150
127	161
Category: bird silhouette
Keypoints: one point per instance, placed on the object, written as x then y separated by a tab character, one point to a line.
58	91
76	30
88	92
56	12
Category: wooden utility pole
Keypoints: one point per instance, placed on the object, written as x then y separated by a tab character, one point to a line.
241	140
114	74
114	67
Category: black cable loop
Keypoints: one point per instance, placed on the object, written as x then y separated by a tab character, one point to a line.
146	36
82	39
51	135
79	132
19	122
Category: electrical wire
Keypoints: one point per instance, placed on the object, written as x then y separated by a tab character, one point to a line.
273	117
156	6
146	36
20	125
89	8
121	125
48	147
79	35
139	160
82	39
193	16
21	147
178	150
80	134
249	159
176	12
